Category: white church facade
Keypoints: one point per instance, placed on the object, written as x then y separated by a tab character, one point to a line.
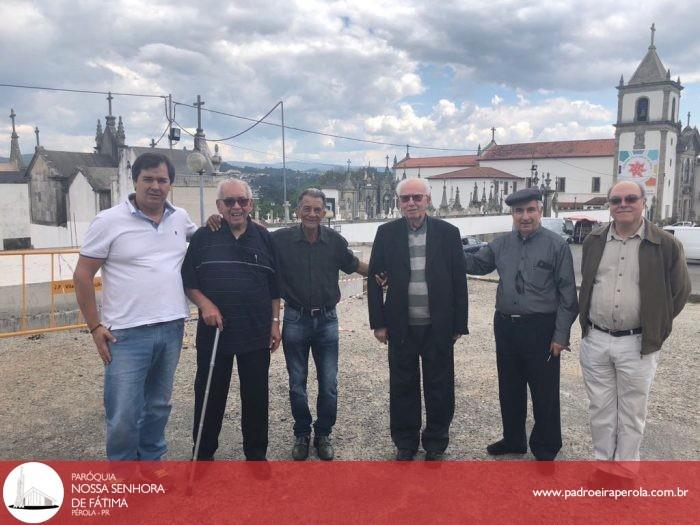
650	146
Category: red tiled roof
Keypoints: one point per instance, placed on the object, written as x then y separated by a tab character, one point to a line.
452	161
476	172
558	149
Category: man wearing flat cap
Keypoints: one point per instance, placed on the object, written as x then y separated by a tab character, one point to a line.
535	307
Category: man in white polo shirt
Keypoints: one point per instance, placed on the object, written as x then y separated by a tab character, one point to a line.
139	245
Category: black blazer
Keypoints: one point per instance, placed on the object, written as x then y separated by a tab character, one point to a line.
445	273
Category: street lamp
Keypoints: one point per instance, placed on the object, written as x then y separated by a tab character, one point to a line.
330	215
196	162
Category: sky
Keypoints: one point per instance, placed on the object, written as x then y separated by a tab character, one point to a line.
425	73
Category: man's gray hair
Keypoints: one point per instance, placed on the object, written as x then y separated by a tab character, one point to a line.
639	184
426	185
312	192
219	188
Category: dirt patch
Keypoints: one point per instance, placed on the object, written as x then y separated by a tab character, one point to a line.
51	395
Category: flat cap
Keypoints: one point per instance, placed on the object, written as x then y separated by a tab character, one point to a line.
524	195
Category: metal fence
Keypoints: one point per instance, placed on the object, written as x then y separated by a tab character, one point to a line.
37	293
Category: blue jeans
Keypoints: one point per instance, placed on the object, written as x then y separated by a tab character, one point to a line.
300	332
138	387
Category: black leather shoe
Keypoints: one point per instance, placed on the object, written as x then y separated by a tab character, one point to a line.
324	448
433	455
501	447
301	448
405	454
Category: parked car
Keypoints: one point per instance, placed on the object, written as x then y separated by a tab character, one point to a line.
472	244
690	239
684	223
563	227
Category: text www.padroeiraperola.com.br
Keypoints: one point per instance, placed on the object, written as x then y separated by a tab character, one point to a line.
583	492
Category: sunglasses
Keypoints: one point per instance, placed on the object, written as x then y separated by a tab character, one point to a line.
418	197
230	202
629	199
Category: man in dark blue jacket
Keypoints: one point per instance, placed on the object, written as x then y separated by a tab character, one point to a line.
231	275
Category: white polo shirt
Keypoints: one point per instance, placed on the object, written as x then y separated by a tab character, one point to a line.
141	282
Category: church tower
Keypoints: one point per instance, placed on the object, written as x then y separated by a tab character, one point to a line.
15	154
647	131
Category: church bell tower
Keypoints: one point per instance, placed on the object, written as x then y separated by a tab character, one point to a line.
647	131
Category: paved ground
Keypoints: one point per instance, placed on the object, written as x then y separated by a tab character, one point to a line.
51	395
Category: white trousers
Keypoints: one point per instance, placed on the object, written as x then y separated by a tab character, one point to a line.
618	380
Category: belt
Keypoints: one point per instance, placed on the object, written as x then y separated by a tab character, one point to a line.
313	312
523	317
617	333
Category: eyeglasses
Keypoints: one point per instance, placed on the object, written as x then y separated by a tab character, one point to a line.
418	197
629	199
230	202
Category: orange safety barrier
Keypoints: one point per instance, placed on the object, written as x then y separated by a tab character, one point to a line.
57	286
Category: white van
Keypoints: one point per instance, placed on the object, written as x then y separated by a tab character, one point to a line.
690	239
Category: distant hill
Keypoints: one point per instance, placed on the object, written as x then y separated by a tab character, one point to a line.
292	165
26	157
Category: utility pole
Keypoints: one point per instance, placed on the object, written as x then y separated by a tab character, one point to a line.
284	168
199	105
170	121
199	135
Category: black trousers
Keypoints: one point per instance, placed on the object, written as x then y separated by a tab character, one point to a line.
253	370
404	390
522	349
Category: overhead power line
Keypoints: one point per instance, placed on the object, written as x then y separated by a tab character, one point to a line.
241	117
262	121
322	133
266	153
67	90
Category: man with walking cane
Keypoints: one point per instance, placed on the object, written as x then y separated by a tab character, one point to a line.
231	275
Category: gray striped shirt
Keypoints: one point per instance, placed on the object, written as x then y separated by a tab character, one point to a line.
418	310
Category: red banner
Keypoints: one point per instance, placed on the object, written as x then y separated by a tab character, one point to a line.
350	492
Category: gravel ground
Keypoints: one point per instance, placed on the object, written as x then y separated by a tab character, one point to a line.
51	395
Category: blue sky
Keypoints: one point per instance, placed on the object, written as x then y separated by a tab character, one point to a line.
419	72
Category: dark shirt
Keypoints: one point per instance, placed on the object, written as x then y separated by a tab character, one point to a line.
240	277
536	276
309	271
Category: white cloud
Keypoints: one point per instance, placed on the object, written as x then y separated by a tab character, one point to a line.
552	119
350	68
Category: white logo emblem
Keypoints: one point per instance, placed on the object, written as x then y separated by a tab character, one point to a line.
33	492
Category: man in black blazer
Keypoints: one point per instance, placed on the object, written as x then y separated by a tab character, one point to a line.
423	314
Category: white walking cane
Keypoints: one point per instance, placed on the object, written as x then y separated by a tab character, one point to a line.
204	410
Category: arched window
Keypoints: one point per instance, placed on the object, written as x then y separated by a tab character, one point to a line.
673	110
641	113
